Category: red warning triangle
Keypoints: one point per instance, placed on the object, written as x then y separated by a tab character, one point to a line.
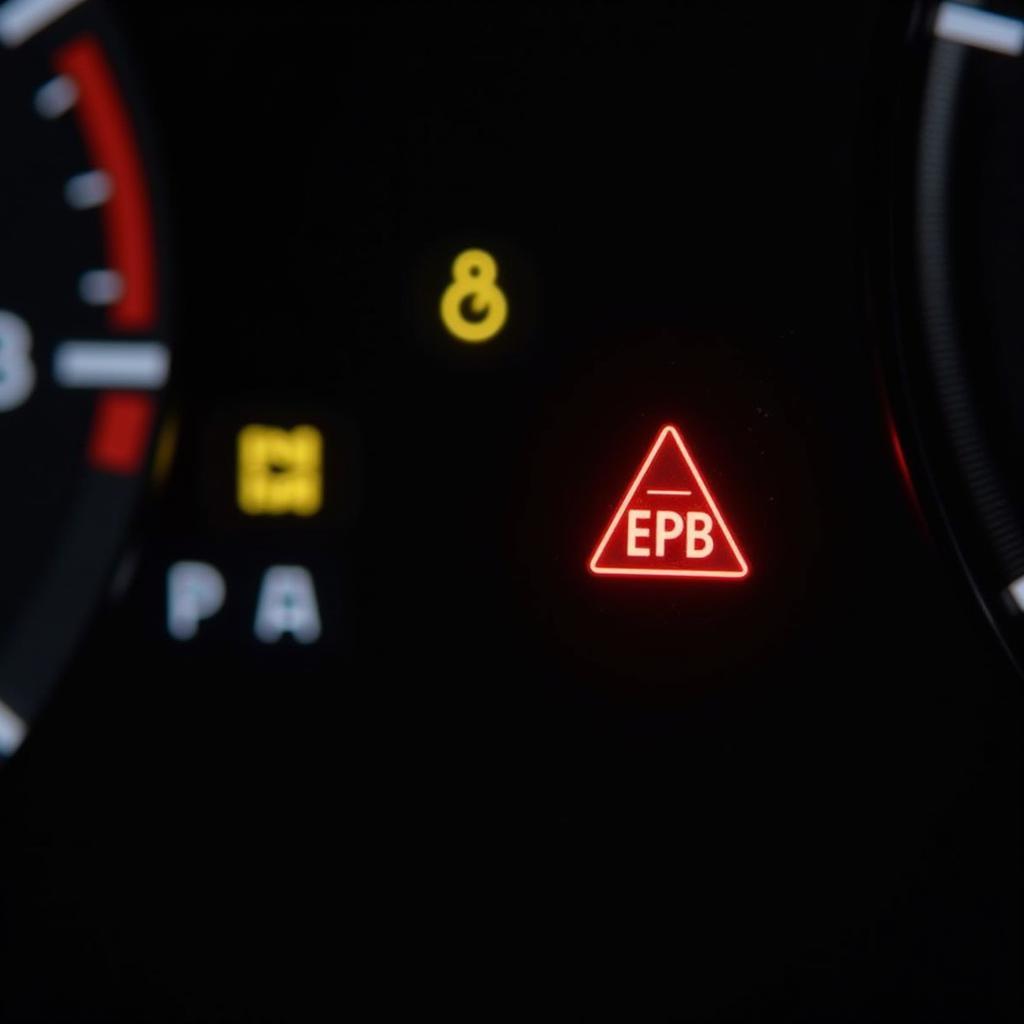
668	523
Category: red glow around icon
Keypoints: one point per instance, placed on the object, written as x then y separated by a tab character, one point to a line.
668	523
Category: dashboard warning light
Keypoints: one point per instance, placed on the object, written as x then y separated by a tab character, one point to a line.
473	307
668	523
280	472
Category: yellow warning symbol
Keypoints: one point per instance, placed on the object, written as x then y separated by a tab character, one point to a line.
280	471
473	307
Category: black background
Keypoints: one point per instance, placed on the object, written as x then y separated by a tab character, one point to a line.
500	786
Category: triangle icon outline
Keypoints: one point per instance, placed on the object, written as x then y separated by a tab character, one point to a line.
735	574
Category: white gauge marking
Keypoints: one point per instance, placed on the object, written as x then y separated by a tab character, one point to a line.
85	191
17	371
100	287
56	97
111	364
12	731
20	20
971	26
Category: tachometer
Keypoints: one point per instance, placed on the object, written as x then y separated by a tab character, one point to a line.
83	350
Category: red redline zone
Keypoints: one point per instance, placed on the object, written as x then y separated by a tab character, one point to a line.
603	563
127	216
121	428
122	421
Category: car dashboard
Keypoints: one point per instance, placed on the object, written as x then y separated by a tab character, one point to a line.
511	510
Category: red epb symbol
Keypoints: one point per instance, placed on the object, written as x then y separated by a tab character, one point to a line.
668	523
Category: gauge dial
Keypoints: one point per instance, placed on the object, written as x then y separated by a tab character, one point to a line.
958	261
83	350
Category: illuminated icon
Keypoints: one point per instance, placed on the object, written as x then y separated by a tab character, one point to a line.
280	471
473	307
195	591
287	605
668	523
